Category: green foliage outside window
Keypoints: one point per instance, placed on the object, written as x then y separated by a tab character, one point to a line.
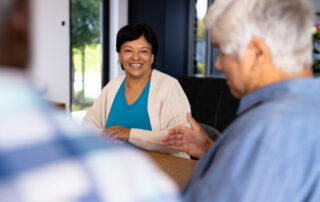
85	36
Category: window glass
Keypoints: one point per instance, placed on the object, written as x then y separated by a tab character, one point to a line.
86	53
200	38
204	55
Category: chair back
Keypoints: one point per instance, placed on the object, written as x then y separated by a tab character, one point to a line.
211	101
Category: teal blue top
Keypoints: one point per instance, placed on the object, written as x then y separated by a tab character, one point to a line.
130	116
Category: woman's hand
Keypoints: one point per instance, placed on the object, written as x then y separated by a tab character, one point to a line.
117	134
193	141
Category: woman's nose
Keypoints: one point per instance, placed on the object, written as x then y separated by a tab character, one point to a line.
135	56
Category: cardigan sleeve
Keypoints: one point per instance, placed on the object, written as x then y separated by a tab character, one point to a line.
150	140
175	107
173	112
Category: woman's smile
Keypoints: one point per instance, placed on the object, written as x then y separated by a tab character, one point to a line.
135	65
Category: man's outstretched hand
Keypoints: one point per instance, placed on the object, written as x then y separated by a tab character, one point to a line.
193	141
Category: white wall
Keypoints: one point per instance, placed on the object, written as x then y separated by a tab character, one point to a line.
50	65
118	18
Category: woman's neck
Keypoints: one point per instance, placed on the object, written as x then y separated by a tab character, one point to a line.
134	87
137	83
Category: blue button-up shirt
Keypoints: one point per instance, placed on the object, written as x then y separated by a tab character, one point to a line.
270	153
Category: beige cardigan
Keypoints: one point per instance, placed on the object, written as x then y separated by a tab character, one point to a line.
167	107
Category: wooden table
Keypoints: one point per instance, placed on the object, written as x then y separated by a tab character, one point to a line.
179	169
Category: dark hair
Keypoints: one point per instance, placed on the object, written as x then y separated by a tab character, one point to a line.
133	32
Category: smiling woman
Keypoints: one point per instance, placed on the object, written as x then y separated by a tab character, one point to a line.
139	107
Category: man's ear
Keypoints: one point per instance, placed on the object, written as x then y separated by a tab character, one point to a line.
260	53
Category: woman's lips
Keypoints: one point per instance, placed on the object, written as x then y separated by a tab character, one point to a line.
135	65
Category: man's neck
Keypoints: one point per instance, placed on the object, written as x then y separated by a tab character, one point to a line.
276	75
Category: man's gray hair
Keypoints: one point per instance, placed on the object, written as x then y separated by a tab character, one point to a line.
284	25
5	8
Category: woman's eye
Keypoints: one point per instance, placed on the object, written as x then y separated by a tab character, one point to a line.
127	51
144	51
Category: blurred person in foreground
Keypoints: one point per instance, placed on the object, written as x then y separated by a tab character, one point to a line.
43	156
140	106
271	151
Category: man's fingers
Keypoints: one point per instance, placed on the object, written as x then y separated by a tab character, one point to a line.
165	139
176	140
177	130
168	138
172	131
175	143
172	135
194	124
176	137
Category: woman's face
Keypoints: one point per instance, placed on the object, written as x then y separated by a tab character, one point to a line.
136	58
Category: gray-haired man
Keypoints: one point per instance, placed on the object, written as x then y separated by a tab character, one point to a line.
271	151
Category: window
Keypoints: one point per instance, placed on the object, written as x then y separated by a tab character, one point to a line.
316	42
85	52
200	38
202	53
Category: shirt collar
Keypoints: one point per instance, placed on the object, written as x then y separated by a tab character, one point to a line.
292	86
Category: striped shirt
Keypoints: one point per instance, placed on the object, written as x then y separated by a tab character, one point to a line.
45	157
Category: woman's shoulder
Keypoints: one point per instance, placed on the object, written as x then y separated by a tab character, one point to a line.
115	81
162	78
113	85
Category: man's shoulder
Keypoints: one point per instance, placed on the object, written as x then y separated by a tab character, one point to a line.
290	121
